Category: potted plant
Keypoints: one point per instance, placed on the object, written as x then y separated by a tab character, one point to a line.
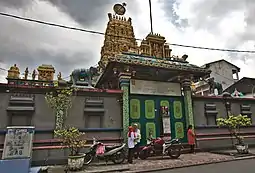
73	139
234	123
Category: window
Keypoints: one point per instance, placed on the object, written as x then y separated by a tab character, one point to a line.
94	113
93	121
235	74
210	114
245	109
20	119
211	120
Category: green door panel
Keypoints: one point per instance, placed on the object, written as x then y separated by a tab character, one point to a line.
177	110
150	129
145	111
149	109
179	130
138	123
164	103
135	108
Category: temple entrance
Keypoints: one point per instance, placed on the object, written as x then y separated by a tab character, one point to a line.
158	116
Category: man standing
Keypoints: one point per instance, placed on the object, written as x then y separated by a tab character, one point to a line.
137	140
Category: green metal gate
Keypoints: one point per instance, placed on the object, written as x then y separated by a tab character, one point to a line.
145	111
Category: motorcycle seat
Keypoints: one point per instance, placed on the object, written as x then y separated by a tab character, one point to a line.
172	141
111	147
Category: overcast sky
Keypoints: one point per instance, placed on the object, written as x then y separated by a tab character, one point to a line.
208	23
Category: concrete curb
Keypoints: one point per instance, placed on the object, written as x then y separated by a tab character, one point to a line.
62	170
107	171
186	166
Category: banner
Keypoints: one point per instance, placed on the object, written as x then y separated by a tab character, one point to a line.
155	88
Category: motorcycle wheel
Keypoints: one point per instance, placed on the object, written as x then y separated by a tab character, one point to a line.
143	154
88	159
119	157
174	152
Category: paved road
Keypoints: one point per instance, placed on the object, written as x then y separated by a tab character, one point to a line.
241	166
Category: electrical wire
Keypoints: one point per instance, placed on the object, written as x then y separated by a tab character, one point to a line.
3	69
101	33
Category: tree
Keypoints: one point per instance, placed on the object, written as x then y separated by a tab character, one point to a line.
60	101
234	123
72	138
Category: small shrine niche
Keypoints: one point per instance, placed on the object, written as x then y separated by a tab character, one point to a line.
13	72
45	72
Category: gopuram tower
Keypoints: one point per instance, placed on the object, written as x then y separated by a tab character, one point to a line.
119	36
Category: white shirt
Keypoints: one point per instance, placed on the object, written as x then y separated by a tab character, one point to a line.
138	136
131	140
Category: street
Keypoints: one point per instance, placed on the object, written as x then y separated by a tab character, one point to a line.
245	166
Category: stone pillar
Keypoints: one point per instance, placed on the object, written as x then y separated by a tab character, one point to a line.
124	79
186	84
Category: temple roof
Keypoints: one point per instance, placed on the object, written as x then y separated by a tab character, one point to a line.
135	59
149	68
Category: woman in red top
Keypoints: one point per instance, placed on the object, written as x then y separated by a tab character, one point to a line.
191	139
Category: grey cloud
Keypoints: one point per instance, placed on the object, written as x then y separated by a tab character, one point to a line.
23	57
208	13
171	14
30	45
89	12
15	3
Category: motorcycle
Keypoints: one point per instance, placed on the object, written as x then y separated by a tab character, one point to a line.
158	147
100	151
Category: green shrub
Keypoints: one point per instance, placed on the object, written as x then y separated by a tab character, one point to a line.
234	123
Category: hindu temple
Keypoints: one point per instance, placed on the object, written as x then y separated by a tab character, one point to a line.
134	82
156	84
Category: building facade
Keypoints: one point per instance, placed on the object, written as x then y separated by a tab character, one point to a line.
208	108
223	72
142	84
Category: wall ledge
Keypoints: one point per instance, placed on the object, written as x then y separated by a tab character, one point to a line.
217	127
221	98
3	131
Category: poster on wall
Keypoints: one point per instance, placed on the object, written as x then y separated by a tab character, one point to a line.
166	125
155	88
18	142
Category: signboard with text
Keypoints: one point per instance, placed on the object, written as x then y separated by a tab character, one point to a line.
18	142
166	125
154	88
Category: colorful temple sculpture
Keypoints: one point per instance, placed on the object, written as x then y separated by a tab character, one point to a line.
83	77
45	76
156	85
46	72
119	37
13	72
236	93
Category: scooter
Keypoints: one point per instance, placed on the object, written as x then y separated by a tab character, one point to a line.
158	147
98	150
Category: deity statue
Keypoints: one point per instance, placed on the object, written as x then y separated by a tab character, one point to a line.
83	76
33	75
14	67
59	76
26	73
214	85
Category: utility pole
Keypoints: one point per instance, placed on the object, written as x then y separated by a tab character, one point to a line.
151	17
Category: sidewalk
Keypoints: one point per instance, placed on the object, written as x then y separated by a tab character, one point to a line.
233	152
153	163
